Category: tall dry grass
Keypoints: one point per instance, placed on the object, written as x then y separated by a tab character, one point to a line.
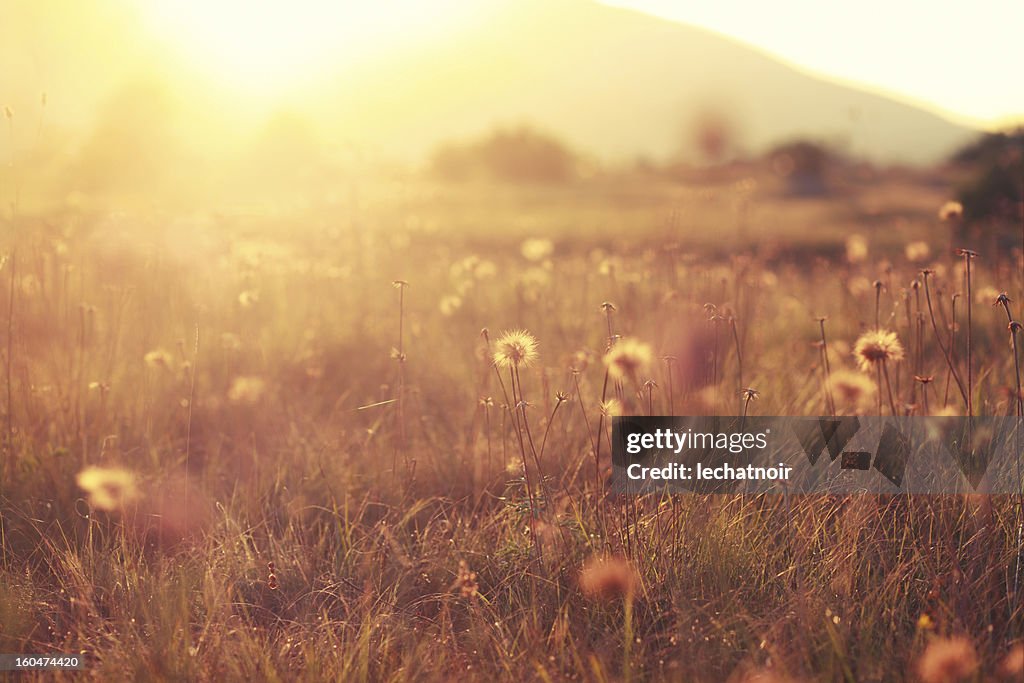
281	502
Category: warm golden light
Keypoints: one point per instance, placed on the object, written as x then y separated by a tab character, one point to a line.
273	46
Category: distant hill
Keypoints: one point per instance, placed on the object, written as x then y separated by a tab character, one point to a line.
619	83
612	83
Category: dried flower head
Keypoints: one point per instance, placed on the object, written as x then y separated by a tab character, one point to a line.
611	408
108	488
917	251
450	304
877	346
158	358
607	577
537	249
515	348
951	210
246	389
248	298
1013	664
629	358
465	581
856	248
852	389
947	659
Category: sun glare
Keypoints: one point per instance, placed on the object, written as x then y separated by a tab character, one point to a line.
270	46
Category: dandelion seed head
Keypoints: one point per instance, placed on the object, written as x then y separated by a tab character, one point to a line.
628	359
158	358
515	348
1013	664
877	346
917	251
951	210
856	249
608	578
852	389
947	659
246	389
450	304
536	249
108	488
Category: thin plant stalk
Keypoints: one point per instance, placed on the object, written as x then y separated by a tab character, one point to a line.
938	338
830	402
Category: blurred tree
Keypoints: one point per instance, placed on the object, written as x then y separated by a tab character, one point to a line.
994	193
520	155
803	165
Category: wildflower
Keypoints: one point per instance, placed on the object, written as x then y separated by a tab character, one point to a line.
946	411
750	394
515	348
465	581
608	578
951	211
852	389
917	251
877	346
611	408
108	488
485	269
449	304
248	298
272	583
229	341
987	294
1013	664
925	622
537	249
947	659
628	359
246	389
856	248
158	358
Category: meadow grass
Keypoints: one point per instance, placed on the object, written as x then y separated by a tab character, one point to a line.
307	472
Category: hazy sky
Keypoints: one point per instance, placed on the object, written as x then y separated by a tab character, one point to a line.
961	57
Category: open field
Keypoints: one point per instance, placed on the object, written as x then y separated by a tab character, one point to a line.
310	470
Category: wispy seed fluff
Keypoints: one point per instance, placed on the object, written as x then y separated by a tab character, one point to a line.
514	349
108	488
877	346
629	358
852	389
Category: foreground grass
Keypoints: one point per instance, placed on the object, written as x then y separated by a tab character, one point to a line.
278	404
